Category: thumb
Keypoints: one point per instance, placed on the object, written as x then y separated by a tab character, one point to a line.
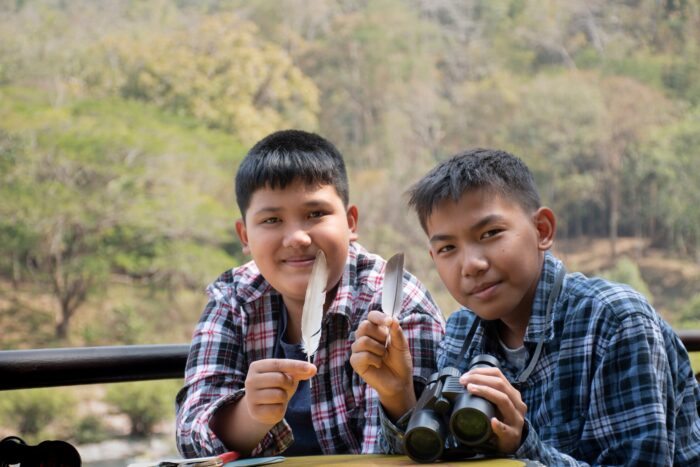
398	338
301	370
308	372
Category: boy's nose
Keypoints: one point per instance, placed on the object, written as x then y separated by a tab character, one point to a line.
296	237
473	264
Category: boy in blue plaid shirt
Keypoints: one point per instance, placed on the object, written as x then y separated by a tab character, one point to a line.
247	378
589	373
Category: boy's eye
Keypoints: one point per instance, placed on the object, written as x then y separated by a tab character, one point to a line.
316	214
491	233
445	249
271	220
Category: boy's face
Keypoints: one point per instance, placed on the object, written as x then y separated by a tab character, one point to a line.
489	253
285	228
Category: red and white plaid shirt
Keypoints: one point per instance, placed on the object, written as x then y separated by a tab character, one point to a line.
239	325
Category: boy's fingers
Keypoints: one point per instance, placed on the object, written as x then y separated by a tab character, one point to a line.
512	411
297	369
367	344
499	398
363	361
398	338
304	376
483	371
497	383
378	332
508	436
270	396
270	380
379	318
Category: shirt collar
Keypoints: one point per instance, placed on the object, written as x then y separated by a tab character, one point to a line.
348	288
537	324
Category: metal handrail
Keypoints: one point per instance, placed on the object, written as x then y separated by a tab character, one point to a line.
38	368
690	339
21	369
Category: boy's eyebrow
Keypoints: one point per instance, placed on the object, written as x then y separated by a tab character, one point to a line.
267	209
274	209
315	202
486	221
477	226
441	238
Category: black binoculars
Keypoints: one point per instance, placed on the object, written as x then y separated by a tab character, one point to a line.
14	450
449	422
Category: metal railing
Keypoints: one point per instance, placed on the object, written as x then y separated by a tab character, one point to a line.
20	369
38	368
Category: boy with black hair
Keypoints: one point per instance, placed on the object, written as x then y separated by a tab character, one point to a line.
247	382
589	372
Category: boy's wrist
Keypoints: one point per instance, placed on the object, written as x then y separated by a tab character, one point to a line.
395	405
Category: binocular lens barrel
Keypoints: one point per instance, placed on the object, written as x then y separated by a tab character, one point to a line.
425	437
446	403
471	419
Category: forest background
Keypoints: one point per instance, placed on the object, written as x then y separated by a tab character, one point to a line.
122	124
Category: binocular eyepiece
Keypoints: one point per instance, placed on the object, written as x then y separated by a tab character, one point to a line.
448	419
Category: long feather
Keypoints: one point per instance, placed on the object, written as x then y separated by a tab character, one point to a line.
392	292
312	312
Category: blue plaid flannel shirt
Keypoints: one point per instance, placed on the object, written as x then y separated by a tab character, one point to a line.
239	325
613	384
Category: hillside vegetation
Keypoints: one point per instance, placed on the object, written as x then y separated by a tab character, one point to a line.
122	124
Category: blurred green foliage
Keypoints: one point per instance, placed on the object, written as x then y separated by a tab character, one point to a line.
146	403
121	125
627	272
92	192
690	313
38	414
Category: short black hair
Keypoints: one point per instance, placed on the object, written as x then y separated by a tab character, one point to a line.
479	168
285	157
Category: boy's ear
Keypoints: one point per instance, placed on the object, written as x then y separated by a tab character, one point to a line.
353	216
242	236
546	225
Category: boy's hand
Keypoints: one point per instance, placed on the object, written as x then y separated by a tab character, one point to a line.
389	370
490	384
270	385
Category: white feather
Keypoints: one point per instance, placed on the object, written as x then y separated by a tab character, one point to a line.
312	312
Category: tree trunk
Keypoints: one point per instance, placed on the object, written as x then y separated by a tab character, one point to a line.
62	327
614	218
16	278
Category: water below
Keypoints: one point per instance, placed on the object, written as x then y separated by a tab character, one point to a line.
121	452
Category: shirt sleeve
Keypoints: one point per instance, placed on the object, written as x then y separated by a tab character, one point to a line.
424	327
215	376
392	434
626	419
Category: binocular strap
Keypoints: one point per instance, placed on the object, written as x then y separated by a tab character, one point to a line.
553	294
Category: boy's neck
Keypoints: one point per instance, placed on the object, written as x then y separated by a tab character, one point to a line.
512	327
513	336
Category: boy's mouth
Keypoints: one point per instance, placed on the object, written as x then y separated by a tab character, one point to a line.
482	290
300	261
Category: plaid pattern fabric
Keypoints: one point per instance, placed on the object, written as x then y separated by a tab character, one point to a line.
239	325
613	385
